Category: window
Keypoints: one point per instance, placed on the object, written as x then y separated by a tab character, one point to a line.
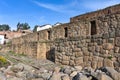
93	28
109	11
23	31
5	36
48	35
38	36
66	32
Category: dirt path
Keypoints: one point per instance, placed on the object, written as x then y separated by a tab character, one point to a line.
21	58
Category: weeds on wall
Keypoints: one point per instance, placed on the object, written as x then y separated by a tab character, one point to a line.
110	57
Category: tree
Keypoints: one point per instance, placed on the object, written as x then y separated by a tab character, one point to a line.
23	26
4	27
35	28
26	26
18	25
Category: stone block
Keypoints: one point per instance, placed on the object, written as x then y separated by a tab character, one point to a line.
111	40
105	36
119	59
116	50
108	63
88	40
85	51
99	41
65	62
86	58
102	76
88	64
66	44
79	68
65	58
91	54
65	77
68	53
90	58
95	58
90	44
113	73
78	54
80	45
117	41
103	51
72	57
94	64
107	46
76	49
106	52
117	32
59	57
91	48
112	34
97	48
72	63
79	60
96	53
100	62
73	73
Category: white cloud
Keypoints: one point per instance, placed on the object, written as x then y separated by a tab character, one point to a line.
48	6
74	7
65	8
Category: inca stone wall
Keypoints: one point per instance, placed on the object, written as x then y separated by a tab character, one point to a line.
91	42
82	51
94	14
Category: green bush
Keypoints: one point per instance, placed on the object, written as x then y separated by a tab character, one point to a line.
3	60
110	57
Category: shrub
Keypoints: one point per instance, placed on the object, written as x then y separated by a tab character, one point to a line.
110	57
3	60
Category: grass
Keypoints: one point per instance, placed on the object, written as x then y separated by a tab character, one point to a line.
110	57
3	61
17	54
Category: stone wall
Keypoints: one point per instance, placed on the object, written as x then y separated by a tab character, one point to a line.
102	12
91	42
28	48
88	51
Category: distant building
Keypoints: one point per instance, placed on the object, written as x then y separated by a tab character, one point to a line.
2	39
57	24
44	27
6	36
24	32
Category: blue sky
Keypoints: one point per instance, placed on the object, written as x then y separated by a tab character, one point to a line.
40	12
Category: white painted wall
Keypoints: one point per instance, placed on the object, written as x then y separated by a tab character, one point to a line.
44	27
2	39
57	24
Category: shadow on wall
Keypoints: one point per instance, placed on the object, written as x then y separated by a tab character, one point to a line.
50	55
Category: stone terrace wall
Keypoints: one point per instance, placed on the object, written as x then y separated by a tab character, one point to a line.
79	46
95	51
28	48
26	38
102	12
74	29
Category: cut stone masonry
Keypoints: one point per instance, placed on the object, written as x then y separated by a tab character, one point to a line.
91	39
